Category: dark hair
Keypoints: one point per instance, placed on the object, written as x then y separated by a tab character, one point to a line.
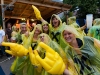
53	18
48	29
9	23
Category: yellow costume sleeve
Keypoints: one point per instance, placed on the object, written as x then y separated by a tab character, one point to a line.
37	12
97	44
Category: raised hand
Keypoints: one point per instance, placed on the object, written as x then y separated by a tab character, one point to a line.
52	62
15	49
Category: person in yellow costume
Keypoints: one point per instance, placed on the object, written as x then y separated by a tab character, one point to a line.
23	63
94	31
72	22
36	32
14	34
57	26
85	51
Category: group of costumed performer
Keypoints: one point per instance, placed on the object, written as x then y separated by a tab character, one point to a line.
81	55
53	60
55	26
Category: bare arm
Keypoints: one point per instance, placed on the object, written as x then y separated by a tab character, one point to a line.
83	27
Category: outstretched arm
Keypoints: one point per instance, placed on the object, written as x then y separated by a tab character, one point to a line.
37	13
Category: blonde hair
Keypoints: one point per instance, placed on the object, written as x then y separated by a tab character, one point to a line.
71	29
97	21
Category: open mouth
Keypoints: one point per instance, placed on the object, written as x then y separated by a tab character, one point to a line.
55	23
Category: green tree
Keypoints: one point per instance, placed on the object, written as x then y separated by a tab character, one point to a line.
74	3
84	6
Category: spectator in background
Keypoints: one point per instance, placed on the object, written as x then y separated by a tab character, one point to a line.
9	31
2	35
14	34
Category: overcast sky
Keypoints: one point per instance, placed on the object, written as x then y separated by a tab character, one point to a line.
57	0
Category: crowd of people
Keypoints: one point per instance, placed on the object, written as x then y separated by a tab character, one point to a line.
79	51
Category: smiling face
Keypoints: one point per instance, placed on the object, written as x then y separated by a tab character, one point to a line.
55	22
68	36
37	31
42	38
45	28
23	28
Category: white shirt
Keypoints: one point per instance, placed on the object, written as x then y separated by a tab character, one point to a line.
2	33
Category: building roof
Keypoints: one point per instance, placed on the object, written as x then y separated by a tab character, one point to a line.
23	8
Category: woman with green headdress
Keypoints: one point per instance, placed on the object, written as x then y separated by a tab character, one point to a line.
56	27
85	51
94	31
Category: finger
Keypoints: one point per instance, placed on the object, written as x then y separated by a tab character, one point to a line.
9	52
30	50
22	51
47	48
7	44
33	58
62	69
57	67
48	60
43	63
35	52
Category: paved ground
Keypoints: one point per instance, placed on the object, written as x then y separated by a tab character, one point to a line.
5	63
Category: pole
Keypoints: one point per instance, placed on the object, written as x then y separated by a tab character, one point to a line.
3	14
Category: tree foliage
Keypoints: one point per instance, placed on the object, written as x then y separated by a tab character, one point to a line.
84	6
